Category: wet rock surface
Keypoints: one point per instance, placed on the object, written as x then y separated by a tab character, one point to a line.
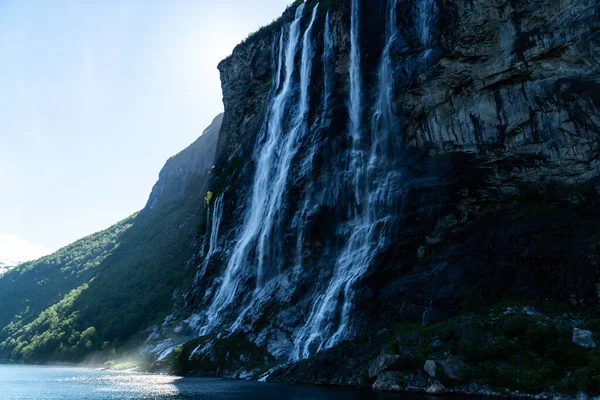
389	382
430	368
584	338
436	388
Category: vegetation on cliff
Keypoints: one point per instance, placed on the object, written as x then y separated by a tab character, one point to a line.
97	293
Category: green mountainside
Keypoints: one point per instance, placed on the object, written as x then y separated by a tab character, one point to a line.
100	290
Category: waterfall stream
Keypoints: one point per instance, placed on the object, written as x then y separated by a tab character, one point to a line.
257	254
425	19
214	224
376	175
367	190
320	330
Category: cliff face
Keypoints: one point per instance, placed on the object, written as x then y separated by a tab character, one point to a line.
183	171
387	161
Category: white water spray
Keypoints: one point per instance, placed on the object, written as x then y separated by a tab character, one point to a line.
256	254
321	330
214	223
383	126
426	16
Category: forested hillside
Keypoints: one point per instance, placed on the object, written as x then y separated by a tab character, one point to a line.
102	289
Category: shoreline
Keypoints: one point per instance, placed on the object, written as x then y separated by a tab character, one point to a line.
462	390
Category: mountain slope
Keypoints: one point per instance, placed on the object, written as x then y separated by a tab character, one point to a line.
111	283
32	287
179	175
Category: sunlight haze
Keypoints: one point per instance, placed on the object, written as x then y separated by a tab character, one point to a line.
96	96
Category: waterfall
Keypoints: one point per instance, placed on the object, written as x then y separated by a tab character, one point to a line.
308	200
279	61
383	127
425	19
214	224
327	64
217	216
371	174
355	73
257	254
355	107
320	329
291	144
376	176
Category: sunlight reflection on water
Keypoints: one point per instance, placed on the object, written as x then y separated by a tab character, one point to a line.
149	385
18	382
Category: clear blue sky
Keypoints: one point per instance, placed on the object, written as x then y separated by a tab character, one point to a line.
95	96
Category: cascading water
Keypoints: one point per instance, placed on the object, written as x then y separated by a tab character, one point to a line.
255	254
327	64
279	62
287	153
383	126
425	19
215	223
355	185
308	201
376	174
355	107
217	216
355	73
319	330
368	190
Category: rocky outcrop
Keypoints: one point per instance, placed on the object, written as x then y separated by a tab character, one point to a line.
436	388
182	172
389	382
584	338
455	368
431	368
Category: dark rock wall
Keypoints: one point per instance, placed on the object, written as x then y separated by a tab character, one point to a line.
498	122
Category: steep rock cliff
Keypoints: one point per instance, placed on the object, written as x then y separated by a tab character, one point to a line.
399	161
181	173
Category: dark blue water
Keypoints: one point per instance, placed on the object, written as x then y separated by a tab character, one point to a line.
66	383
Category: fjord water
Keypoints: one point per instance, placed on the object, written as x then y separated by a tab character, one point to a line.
19	382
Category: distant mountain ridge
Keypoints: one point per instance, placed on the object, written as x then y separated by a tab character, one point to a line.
7	264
